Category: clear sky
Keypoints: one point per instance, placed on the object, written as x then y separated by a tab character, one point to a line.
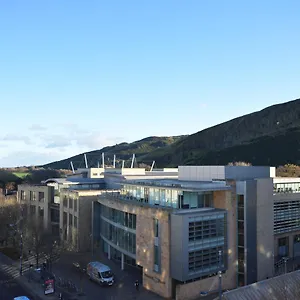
79	75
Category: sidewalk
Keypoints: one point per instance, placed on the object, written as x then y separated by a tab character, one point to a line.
11	268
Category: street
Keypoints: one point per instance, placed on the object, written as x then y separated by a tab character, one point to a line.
122	289
11	289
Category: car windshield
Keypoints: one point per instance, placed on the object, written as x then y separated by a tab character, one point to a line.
106	274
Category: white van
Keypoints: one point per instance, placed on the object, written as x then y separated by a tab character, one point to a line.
100	273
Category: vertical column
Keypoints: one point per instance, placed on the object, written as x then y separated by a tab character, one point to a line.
122	261
291	246
108	251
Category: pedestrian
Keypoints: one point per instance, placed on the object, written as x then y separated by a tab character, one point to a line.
137	285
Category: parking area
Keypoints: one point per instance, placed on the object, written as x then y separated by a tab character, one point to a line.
124	287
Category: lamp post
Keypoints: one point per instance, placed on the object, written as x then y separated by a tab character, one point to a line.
285	259
220	275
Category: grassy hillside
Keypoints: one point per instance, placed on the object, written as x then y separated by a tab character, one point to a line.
122	151
269	136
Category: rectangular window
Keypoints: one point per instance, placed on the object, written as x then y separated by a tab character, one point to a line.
75	222
41	197
75	204
70	203
156	259
65	201
65	218
156	227
70	220
22	195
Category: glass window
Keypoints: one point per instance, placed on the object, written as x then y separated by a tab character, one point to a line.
75	222
75	204
156	259
70	203
70	220
156	227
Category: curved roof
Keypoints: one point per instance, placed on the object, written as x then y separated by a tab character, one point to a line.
286	286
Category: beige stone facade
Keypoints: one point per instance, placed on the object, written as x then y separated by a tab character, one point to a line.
75	218
160	283
37	199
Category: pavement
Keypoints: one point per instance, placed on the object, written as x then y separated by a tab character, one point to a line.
123	288
9	288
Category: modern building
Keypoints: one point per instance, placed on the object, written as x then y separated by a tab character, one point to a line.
75	216
39	201
241	220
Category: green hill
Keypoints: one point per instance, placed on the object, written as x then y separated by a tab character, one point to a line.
122	151
267	137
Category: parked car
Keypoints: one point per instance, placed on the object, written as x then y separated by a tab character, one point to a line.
100	273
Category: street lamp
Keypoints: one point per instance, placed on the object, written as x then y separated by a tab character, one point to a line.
220	275
285	259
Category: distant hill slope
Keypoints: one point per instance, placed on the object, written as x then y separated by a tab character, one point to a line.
267	137
122	151
270	136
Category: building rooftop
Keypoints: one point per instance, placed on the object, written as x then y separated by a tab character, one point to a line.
181	184
286	286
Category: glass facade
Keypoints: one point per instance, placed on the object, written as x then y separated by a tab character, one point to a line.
287	187
151	195
286	216
207	244
118	227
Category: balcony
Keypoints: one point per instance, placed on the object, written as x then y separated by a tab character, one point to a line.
115	195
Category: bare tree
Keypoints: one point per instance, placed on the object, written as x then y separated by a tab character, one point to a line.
10	215
35	238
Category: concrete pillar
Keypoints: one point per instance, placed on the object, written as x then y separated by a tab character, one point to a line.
108	251
122	261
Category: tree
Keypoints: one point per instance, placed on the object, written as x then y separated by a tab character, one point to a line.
10	216
288	170
35	238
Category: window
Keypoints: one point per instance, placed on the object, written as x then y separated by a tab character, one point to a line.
65	218
22	195
41	197
75	204
65	201
156	227
32	210
70	203
70	220
156	259
32	196
41	212
75	222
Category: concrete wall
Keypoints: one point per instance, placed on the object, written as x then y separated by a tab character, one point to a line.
265	226
160	283
208	173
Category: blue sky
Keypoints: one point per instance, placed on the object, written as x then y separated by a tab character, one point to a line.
79	75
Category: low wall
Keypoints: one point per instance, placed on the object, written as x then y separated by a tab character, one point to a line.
192	290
